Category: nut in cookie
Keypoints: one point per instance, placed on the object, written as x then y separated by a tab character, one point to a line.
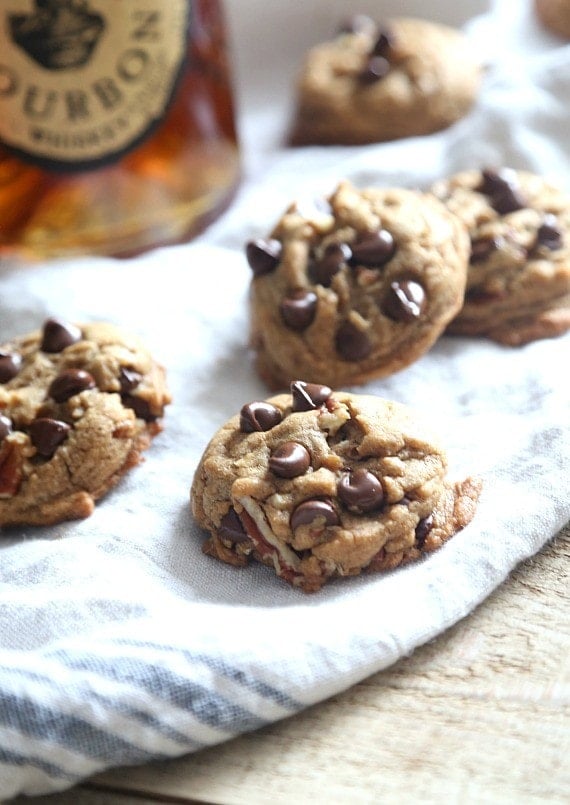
319	484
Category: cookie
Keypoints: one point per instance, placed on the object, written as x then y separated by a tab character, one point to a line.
78	405
518	285
554	15
358	286
319	484
370	84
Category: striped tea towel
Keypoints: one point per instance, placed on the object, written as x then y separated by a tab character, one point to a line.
120	642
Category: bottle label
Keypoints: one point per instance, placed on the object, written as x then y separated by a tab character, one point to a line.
82	82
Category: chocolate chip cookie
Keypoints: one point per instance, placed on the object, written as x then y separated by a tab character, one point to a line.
518	286
554	15
78	405
358	286
318	484
373	83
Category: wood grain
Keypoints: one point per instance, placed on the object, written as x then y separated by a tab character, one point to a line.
479	715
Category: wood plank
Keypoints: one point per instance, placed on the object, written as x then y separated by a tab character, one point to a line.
478	715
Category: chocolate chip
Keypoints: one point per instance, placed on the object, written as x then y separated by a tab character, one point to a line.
548	234
502	189
320	513
290	460
308	396
259	416
383	44
360	491
405	300
47	434
507	200
335	256
298	308
5	426
376	68
352	343
69	383
482	248
422	530
58	334
374	250
493	181
129	379
263	255
140	406
231	528
10	363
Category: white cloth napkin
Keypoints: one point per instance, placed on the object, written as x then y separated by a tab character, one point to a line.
120	642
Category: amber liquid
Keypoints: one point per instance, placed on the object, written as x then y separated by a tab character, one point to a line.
167	190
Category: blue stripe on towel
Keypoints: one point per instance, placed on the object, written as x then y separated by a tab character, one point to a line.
206	705
235	674
11	758
111	706
75	734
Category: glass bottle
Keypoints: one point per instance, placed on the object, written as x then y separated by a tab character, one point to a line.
117	128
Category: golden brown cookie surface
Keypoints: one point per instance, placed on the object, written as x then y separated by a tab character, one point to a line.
518	286
319	484
358	289
370	83
78	405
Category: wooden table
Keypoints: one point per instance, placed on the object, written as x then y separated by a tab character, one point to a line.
479	715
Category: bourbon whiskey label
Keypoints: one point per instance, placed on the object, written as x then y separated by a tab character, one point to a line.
82	82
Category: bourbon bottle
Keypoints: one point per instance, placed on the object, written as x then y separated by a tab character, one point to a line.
117	128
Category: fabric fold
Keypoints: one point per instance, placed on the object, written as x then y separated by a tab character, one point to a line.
120	642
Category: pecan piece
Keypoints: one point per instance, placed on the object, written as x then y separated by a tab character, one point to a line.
11	462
